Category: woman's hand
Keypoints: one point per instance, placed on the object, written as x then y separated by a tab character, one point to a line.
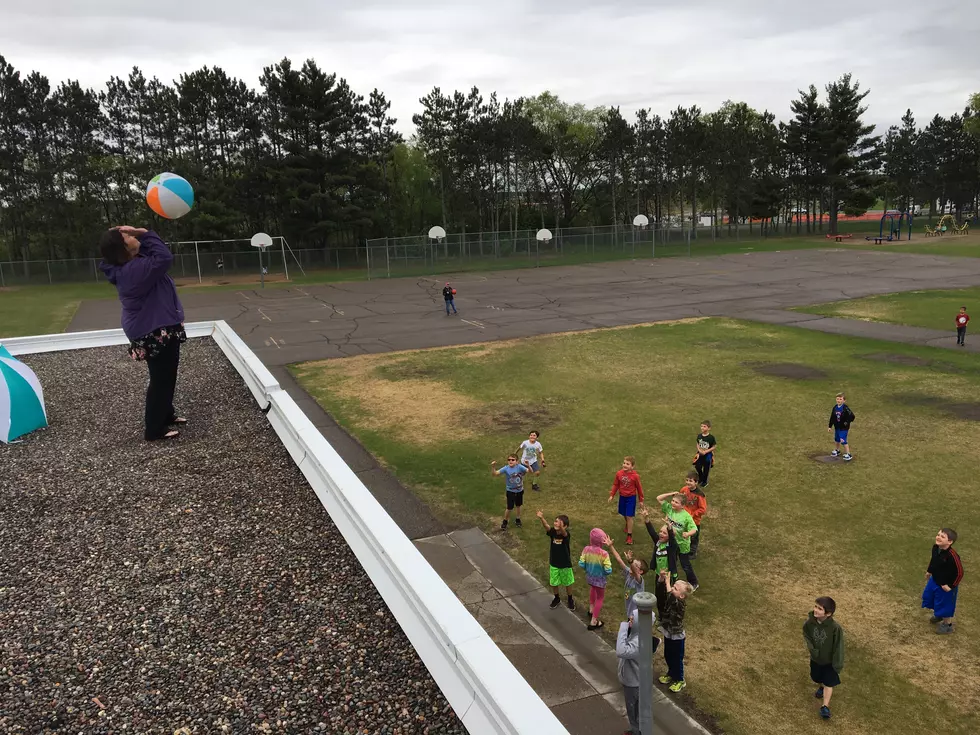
128	230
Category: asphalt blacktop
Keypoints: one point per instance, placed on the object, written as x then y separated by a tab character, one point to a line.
302	323
573	670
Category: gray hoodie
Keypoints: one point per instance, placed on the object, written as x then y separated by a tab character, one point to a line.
628	653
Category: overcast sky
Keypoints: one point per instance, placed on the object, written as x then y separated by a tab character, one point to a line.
631	53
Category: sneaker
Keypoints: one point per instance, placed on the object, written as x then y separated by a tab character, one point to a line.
503	525
570	603
665	679
517	522
944	628
825	712
819	693
835	453
535	486
555	602
678	685
934	619
847	457
629	539
694	587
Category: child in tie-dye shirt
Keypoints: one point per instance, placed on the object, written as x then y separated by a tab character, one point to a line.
595	561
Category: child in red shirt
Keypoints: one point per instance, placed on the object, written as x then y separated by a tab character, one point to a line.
696	504
627	484
962	319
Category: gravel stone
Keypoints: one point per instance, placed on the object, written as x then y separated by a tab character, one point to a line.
194	586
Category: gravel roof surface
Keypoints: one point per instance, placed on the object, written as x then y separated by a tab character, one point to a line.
195	586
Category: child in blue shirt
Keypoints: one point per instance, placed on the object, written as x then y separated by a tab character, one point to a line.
514	475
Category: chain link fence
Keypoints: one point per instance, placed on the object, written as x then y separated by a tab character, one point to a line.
411	256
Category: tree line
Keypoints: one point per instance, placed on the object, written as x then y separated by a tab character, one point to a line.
306	156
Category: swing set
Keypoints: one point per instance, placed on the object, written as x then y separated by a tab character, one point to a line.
896	220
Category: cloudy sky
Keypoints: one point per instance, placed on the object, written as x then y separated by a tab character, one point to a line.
632	53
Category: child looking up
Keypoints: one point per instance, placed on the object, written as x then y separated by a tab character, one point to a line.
595	561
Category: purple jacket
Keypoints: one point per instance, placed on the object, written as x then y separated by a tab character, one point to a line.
148	294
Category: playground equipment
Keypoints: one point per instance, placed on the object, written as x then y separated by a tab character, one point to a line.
895	221
947	224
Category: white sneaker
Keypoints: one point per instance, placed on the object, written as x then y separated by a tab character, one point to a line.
835	453
847	457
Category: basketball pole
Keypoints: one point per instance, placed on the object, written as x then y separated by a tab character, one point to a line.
282	244
197	257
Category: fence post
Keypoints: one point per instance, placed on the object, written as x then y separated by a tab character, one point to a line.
48	264
646	603
387	258
197	256
367	253
2	283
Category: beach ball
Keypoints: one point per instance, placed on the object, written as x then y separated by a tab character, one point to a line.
170	195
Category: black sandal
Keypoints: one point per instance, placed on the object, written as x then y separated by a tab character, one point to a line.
172	434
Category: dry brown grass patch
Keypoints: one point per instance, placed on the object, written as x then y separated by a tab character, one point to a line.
407	407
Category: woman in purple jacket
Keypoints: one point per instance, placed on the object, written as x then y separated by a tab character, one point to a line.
136	262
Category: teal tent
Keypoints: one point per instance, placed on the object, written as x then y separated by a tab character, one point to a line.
21	399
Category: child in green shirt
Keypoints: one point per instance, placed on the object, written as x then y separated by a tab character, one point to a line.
683	526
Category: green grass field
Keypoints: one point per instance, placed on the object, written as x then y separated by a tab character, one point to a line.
933	309
781	527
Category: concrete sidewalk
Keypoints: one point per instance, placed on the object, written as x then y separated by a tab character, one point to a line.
860	328
572	669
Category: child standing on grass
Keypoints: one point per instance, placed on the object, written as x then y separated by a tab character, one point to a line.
595	561
704	459
697	505
962	319
531	453
449	294
672	627
660	562
841	417
627	484
514	475
943	581
560	559
825	642
683	527
633	571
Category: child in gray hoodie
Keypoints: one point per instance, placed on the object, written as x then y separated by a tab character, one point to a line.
628	653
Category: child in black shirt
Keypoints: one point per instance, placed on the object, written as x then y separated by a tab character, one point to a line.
560	559
706	445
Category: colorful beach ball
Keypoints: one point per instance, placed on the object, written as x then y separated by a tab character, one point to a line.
170	195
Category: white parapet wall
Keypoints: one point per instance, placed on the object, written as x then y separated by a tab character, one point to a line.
487	693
